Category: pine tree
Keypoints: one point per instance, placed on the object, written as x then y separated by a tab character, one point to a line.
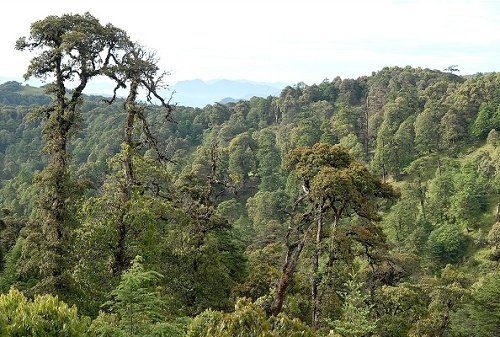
356	312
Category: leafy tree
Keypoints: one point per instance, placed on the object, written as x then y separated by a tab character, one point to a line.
44	315
352	143
139	69
334	186
247	319
269	160
483	124
397	308
263	270
263	208
445	296
428	137
469	201
73	48
446	244
345	121
203	260
493	137
261	113
439	193
242	161
124	217
97	240
481	316
404	225
394	139
494	241
9	274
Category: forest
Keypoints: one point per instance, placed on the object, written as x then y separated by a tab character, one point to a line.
348	208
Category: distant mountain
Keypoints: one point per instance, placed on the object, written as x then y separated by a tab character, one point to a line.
191	93
197	93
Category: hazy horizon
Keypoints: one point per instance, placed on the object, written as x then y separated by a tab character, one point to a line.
284	41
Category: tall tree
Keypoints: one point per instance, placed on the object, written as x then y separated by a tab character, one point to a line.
122	220
73	49
138	70
334	186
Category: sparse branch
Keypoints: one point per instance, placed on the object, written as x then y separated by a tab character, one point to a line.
151	139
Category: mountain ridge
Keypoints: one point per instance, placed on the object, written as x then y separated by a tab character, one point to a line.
190	93
199	93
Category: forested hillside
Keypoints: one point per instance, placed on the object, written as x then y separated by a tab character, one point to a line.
353	207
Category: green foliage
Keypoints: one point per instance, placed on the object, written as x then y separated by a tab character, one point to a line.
264	269
221	206
247	319
481	316
66	46
439	193
446	244
398	307
356	320
494	241
483	124
43	316
335	178
135	305
444	298
403	224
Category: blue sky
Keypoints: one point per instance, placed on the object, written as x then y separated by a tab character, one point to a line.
283	40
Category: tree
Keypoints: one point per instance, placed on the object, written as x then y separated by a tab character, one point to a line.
394	138
138	68
356	318
334	186
242	161
135	302
439	192
403	224
398	307
444	295
428	136
269	161
481	316
203	261
483	124
470	199
446	244
73	48
352	143
494	241
452	69
247	319
44	315
98	240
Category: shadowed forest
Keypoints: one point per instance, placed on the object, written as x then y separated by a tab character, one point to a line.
352	207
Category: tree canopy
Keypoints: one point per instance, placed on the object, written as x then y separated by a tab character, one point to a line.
352	207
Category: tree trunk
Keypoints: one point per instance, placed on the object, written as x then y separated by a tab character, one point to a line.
497	217
292	256
121	260
315	277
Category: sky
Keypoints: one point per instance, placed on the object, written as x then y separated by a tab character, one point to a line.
283	41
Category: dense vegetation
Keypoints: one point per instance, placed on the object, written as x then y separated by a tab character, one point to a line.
353	207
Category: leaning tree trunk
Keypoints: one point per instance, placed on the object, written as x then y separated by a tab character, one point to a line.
292	256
